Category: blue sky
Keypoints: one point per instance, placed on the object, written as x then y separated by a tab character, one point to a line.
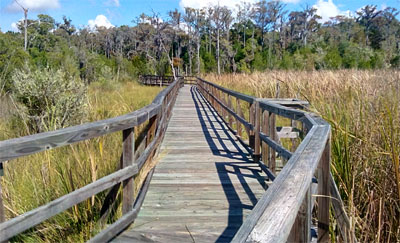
122	12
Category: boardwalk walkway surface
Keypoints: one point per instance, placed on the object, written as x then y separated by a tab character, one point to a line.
205	183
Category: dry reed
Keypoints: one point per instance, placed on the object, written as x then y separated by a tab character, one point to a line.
362	107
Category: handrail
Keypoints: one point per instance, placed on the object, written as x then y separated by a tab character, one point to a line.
165	80
284	211
157	113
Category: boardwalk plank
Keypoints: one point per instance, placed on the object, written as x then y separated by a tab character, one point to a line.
205	183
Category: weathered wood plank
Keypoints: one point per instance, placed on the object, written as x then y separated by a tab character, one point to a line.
241	96
114	229
27	220
2	213
324	189
281	110
272	133
237	117
286	132
266	223
288	102
257	144
17	147
128	158
275	146
202	172
341	217
301	230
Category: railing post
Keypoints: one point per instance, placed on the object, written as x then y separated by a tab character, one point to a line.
324	193
225	102
293	140
2	213
257	144
230	107
152	129
301	230
272	134
221	99
265	130
214	92
221	110
238	112
128	158
251	121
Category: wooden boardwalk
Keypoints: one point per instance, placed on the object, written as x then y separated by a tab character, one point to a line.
206	187
205	183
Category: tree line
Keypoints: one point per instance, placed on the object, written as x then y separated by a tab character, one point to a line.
253	37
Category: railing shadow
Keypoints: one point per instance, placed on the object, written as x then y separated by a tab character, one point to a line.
223	144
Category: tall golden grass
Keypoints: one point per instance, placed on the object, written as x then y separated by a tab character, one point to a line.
32	181
363	109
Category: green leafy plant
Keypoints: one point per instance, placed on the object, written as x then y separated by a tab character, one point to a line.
48	99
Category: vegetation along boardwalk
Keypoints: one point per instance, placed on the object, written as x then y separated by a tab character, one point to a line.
205	183
218	177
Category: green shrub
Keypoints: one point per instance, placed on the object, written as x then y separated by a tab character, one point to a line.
258	63
49	99
395	62
332	59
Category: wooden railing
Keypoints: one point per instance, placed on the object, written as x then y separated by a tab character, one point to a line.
156	114
284	212
165	80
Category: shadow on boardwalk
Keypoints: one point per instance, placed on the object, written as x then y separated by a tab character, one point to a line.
209	119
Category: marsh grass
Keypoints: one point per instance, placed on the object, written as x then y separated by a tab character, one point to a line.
363	109
37	179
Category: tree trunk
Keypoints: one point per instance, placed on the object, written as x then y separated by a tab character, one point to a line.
26	29
244	37
209	41
218	61
252	43
198	55
190	56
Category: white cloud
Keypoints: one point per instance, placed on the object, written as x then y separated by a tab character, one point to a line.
14	27
205	3
100	21
33	5
327	9
229	3
114	3
291	1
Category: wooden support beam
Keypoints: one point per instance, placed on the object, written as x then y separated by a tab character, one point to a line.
257	145
2	212
29	219
301	230
230	107
342	220
128	158
265	130
239	112
293	140
286	132
276	147
272	134
152	129
324	194
252	122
